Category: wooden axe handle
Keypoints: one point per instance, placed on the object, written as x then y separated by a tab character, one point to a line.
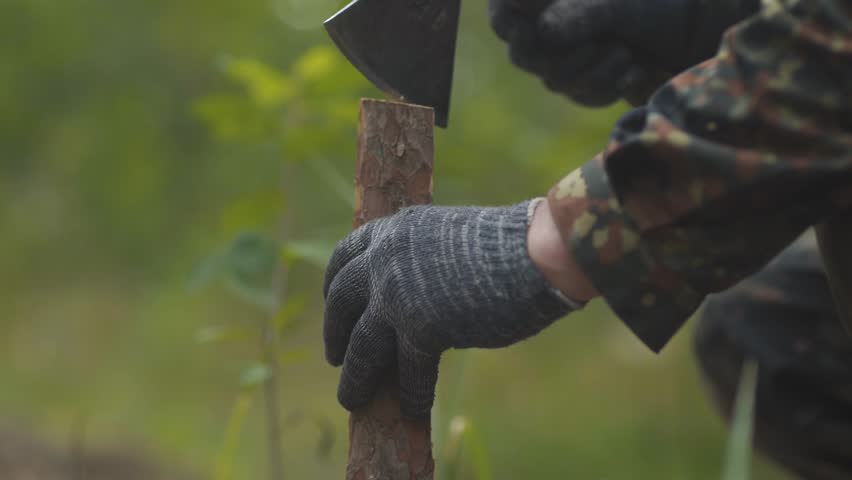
395	154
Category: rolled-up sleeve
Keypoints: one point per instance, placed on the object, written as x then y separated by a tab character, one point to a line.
728	164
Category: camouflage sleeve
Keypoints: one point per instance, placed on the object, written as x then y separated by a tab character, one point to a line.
727	165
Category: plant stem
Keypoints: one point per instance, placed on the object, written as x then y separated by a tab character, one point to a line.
271	341
271	394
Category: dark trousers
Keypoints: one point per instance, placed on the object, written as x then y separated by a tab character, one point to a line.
783	318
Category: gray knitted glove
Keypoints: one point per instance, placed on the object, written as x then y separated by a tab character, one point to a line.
401	290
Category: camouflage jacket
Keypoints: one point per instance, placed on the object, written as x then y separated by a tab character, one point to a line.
728	163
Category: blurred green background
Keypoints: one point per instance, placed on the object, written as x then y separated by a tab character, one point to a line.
141	141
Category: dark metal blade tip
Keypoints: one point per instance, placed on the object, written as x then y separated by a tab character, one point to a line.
442	122
417	66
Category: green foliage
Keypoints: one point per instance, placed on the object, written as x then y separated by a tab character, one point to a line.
296	110
292	111
248	266
316	253
138	138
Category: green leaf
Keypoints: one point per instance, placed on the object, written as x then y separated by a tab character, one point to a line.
316	253
260	297
316	63
255	375
252	256
251	262
248	265
738	456
232	118
267	86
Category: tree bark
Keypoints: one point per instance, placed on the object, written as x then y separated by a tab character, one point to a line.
835	242
395	154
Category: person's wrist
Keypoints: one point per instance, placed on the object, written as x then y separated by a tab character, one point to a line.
553	259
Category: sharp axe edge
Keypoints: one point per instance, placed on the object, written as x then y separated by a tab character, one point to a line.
407	49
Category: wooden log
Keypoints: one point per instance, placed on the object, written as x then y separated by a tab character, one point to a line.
395	154
835	242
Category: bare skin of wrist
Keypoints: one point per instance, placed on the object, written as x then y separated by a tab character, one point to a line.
552	257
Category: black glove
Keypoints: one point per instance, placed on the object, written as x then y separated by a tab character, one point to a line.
401	290
596	51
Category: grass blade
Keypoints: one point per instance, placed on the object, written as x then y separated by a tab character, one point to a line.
225	459
738	456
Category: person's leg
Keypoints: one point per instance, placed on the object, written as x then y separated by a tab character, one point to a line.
783	318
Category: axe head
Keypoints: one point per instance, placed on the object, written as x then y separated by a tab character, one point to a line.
405	47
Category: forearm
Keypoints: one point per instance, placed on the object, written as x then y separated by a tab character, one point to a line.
731	161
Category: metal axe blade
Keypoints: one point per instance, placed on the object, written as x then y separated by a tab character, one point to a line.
405	47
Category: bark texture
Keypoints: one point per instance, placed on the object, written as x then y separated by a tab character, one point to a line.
395	154
835	242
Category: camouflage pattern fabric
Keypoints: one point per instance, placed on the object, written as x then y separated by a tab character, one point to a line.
728	164
783	318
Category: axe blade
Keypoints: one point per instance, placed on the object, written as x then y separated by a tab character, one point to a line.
405	47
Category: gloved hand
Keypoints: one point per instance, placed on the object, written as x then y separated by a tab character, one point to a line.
401	290
596	51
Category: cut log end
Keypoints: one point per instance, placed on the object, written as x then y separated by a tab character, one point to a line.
396	146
